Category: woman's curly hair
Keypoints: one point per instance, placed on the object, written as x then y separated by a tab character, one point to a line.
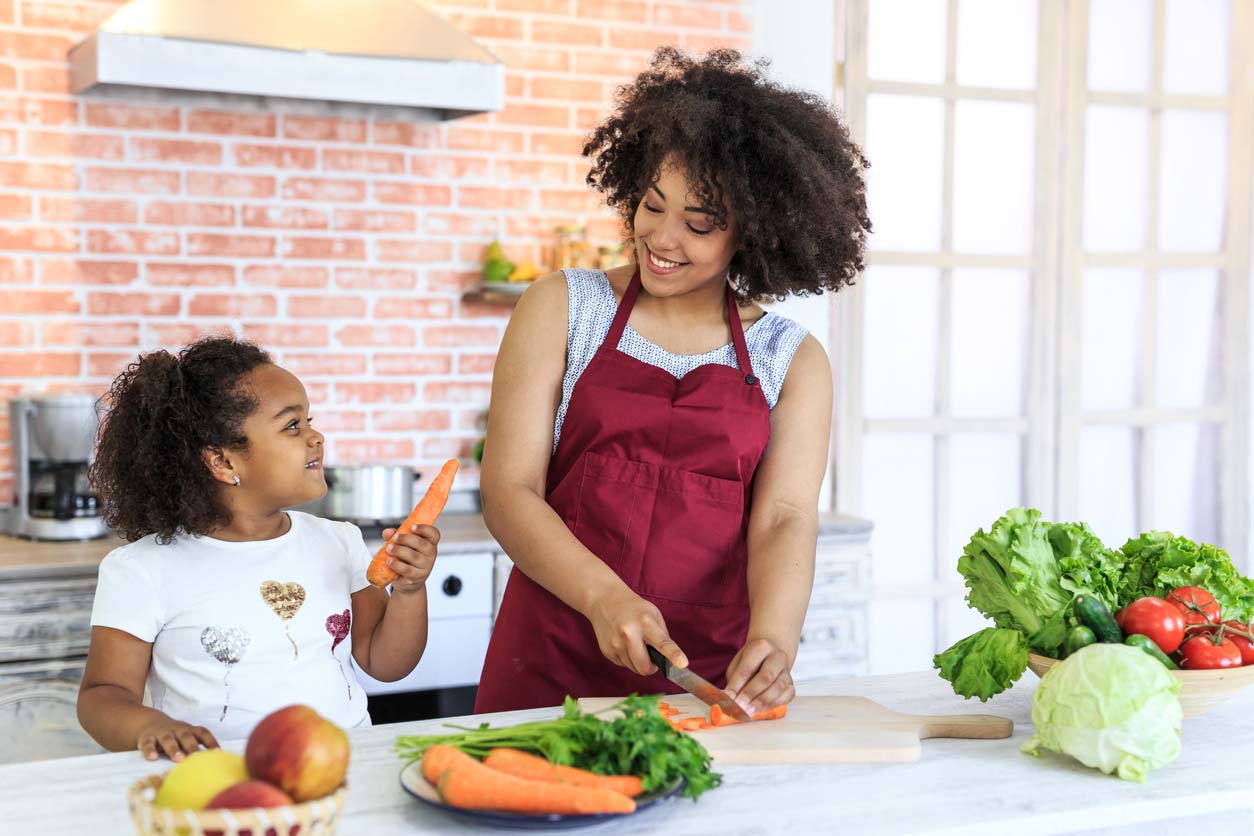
162	412
779	158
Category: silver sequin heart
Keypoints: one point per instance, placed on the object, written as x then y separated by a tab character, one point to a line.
225	645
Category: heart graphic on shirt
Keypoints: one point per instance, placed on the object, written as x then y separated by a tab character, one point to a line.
337	626
227	646
285	599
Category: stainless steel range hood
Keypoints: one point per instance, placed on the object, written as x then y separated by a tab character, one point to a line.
388	52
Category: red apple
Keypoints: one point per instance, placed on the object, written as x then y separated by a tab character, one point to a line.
247	794
298	751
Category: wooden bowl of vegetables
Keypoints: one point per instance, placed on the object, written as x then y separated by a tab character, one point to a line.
1212	658
1200	690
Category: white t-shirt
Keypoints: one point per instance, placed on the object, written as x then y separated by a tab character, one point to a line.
241	629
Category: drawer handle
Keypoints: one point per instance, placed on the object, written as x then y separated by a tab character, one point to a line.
452	585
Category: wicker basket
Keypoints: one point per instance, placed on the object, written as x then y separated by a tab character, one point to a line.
311	818
1200	691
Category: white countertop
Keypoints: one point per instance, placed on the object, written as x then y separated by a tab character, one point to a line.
967	787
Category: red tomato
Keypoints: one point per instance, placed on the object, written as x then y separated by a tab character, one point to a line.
1243	644
1201	653
1161	620
1198	605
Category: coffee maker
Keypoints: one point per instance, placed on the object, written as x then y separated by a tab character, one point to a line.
52	444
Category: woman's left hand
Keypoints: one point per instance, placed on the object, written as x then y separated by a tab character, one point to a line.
759	676
411	555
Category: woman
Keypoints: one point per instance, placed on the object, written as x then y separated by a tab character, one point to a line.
653	467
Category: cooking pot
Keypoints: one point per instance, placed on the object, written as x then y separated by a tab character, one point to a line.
367	494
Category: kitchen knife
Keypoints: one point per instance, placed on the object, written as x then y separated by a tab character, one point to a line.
695	685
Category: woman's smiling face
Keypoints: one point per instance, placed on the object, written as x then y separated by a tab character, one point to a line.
678	246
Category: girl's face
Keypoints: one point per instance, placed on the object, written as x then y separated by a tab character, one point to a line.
678	247
283	463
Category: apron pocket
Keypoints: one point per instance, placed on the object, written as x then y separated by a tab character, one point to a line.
695	552
612	516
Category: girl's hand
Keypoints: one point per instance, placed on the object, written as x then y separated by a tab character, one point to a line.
624	622
173	739
412	557
759	677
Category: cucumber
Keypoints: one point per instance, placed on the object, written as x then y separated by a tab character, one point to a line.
1094	615
1077	637
1147	644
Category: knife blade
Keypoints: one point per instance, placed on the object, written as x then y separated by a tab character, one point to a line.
697	686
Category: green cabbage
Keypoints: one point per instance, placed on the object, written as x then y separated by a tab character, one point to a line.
1111	707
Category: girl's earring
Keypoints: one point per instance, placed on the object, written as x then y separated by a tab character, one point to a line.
237	480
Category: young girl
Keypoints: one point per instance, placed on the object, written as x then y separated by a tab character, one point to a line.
225	605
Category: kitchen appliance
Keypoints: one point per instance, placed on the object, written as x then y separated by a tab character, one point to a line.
366	494
53	438
827	730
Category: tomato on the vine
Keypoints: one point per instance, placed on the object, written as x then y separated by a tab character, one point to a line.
1197	605
1242	642
1203	653
1156	618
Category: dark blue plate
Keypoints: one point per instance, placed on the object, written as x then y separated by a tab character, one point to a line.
416	785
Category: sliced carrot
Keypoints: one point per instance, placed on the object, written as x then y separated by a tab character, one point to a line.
425	513
663	706
474	786
535	768
690	723
720	718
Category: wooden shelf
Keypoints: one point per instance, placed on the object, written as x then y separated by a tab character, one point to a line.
489	295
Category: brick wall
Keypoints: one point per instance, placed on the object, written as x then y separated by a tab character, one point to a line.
340	238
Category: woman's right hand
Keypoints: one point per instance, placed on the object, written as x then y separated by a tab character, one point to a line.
624	622
173	739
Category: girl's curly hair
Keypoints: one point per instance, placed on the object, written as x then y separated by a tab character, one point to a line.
162	412
779	158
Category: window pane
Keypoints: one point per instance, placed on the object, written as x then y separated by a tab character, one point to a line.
994	144
1195	47
1107	489
997	43
990	339
1186	481
901	637
1187	365
897	490
904	139
906	40
1120	42
985	479
1110	348
1192	171
959	620
899	347
1116	154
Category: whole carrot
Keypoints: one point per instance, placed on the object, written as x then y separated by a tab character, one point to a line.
425	513
439	758
474	786
535	768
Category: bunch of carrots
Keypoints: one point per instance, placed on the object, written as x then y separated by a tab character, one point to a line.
518	782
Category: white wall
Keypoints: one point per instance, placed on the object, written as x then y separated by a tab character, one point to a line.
799	38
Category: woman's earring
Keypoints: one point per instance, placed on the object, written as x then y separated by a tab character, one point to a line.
237	480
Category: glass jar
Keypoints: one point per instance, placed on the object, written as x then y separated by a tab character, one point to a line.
570	247
610	256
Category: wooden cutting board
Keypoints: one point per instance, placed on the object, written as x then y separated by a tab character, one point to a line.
827	730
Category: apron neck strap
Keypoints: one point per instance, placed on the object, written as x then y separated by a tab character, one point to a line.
629	301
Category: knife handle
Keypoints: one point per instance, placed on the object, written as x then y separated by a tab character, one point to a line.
664	664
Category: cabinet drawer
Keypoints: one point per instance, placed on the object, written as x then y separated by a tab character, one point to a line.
45	618
460	586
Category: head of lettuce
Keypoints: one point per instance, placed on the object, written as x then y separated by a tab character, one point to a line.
1111	707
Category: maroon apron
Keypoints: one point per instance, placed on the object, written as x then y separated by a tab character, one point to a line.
654	476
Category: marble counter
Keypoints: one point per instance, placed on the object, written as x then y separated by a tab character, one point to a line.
967	787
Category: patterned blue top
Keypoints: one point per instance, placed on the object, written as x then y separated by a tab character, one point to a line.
591	305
